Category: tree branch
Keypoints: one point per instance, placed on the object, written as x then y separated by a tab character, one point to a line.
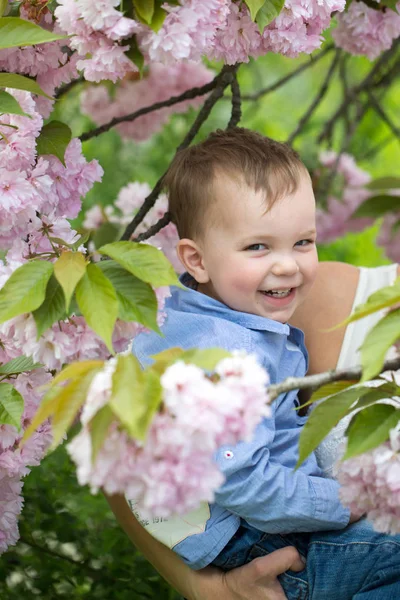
64	89
188	95
93	572
385	118
161	223
320	379
223	79
317	100
368	82
313	61
325	184
236	114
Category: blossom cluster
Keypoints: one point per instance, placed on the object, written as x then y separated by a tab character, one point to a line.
366	31
336	219
220	29
370	484
51	64
129	200
174	469
159	83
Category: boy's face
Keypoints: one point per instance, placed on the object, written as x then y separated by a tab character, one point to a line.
257	261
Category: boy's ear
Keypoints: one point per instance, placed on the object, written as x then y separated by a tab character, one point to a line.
191	256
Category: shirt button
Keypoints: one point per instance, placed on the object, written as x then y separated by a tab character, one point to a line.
228	454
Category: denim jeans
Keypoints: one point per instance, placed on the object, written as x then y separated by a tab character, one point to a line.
355	563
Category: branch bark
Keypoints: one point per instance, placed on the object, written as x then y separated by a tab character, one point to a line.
188	95
316	381
317	100
223	79
265	91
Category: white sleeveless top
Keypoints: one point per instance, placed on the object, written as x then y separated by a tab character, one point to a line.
370	281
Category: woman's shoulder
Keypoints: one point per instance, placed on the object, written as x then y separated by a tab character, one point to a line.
331	297
329	303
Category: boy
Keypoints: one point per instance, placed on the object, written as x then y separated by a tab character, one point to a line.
245	212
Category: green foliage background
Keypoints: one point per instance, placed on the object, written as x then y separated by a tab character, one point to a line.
71	546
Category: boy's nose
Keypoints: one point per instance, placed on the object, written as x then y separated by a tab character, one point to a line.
285	265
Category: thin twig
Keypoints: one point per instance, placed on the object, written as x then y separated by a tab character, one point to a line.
54	554
316	381
385	118
317	100
64	89
367	83
281	82
374	150
188	95
236	114
222	80
326	183
161	223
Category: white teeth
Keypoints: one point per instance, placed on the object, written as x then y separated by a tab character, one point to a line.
278	293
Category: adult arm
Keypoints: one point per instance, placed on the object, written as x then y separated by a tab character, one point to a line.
255	581
329	303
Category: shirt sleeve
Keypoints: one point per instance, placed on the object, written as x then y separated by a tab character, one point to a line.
272	497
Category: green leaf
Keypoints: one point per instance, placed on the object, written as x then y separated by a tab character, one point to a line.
377	342
3	7
98	428
135	395
20	82
77	369
105	234
63	403
69	269
54	139
254	7
268	13
373	396
144	9
137	300
144	261
369	428
383	298
19	32
9	105
134	54
21	364
377	206
384	183
52	309
326	416
97	300
206	358
327	390
81	240
11	406
392	4
68	403
25	290
159	15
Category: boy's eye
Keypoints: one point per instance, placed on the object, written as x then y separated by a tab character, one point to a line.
304	242
255	247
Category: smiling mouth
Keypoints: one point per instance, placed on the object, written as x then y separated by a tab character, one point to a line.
277	293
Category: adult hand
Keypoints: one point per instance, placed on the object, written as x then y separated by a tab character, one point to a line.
255	581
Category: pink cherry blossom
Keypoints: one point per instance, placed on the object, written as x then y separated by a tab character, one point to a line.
174	470
336	218
371	485
367	31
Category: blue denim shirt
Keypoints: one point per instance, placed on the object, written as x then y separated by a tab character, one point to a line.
261	485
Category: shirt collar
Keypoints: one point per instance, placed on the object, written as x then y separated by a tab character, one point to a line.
191	301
